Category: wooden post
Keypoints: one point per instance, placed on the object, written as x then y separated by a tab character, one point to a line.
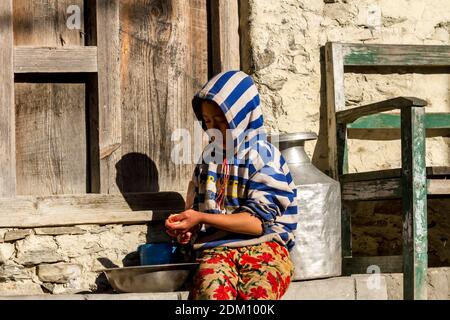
335	101
414	200
109	104
346	231
7	118
225	35
341	148
337	134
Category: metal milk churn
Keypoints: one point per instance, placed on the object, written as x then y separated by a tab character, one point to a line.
317	250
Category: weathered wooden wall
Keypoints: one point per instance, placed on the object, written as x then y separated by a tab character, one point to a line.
111	132
50	116
164	61
7	136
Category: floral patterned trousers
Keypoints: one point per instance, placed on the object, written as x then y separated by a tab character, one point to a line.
261	271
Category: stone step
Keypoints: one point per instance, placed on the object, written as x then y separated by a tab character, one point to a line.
332	288
355	287
180	295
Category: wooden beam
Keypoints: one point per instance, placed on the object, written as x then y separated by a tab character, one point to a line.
350	115
63	210
435	172
389	134
225	35
414	204
363	265
7	118
334	66
396	55
55	60
346	230
342	148
381	189
383	120
372	190
109	101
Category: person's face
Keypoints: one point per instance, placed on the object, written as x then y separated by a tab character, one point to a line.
214	118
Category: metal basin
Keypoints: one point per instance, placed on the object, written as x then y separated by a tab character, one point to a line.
153	278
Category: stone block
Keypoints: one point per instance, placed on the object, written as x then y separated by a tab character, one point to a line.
371	287
438	284
58	272
2	234
35	250
20	288
16	235
342	288
125	296
135	228
56	231
14	272
93	229
78	245
6	252
134	296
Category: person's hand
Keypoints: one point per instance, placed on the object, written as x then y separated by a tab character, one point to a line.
183	238
186	238
182	223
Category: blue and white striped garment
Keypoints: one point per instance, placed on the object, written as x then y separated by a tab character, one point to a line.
259	179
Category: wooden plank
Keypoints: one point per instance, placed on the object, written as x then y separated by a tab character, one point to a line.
363	265
391	188
63	219
334	66
109	94
55	60
164	61
51	139
383	120
62	210
434	172
396	55
50	126
350	115
245	36
342	149
346	230
92	105
384	134
225	41
414	204
44	23
371	190
7	118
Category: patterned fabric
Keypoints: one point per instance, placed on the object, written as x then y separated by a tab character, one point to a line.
258	272
258	180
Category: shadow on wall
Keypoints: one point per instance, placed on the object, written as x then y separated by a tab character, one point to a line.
136	172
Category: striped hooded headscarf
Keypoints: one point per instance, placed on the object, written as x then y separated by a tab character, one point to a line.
253	178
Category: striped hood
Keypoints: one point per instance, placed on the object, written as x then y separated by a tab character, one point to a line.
256	180
238	98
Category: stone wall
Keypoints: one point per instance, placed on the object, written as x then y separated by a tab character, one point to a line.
65	259
282	50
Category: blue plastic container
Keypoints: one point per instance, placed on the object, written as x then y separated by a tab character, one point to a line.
160	253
